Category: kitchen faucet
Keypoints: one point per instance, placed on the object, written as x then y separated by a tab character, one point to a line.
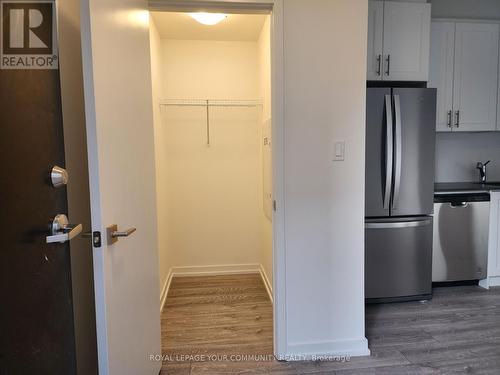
482	170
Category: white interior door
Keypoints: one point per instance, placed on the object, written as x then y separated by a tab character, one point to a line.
118	100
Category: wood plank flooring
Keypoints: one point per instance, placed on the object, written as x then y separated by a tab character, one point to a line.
458	332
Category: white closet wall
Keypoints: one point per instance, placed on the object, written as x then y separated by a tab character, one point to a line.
160	154
211	198
264	50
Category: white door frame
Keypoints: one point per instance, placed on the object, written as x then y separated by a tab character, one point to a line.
275	7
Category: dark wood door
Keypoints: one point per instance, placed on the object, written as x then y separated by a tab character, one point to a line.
36	313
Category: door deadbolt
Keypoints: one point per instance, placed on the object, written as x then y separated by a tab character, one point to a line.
59	177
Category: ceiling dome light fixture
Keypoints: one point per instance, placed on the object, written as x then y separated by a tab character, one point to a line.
208	18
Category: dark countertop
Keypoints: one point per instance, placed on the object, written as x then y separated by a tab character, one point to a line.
464	187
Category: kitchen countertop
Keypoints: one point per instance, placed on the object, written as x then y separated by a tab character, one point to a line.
465	187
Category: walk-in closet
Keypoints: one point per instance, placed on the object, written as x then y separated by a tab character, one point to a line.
211	85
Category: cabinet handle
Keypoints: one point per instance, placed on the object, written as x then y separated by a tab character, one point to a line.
388	71
457	119
379	62
449	118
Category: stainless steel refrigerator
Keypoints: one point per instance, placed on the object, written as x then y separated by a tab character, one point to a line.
400	148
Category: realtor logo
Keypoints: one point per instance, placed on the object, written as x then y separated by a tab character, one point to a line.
28	35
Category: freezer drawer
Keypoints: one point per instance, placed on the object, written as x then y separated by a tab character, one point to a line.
460	241
398	259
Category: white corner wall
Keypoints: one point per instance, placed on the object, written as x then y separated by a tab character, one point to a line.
264	55
325	88
160	155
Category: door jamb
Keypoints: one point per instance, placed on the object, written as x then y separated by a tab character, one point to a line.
276	10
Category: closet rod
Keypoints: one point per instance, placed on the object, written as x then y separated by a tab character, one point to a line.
209	103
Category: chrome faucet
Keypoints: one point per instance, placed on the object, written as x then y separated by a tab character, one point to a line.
482	170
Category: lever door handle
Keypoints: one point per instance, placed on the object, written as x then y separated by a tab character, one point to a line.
126	233
114	234
66	235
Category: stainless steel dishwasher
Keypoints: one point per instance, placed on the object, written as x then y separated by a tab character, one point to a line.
460	245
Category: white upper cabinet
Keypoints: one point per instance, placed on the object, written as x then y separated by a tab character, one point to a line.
441	71
464	69
398	35
475	76
406	41
375	35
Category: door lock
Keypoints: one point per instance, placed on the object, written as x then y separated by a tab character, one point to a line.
58	177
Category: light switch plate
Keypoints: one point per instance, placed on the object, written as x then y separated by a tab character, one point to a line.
338	150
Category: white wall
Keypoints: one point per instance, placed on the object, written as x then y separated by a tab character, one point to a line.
325	90
213	194
160	155
209	69
264	55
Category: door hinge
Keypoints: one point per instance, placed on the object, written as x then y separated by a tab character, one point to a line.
96	239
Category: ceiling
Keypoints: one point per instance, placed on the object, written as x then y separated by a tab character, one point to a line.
242	27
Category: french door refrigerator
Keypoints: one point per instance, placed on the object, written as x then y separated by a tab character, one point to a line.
400	149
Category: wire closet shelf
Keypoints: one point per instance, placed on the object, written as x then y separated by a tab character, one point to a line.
207	104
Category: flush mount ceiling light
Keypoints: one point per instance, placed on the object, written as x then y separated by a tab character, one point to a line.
208	18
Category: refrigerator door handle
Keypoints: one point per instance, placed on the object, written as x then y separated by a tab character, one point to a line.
389	144
397	152
399	224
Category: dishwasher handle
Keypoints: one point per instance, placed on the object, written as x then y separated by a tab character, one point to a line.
459	204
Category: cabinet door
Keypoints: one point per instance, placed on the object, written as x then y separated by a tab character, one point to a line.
441	71
406	41
475	76
375	34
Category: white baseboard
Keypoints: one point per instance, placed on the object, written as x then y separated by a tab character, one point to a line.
326	349
267	283
228	269
164	291
490	282
495	281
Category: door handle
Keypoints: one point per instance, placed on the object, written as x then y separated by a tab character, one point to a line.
398	152
114	234
62	231
457	121
388	71
398	224
379	63
389	152
449	119
126	233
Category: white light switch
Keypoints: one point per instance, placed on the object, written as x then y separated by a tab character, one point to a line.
339	150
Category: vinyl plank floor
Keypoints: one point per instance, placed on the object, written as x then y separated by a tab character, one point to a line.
207	321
